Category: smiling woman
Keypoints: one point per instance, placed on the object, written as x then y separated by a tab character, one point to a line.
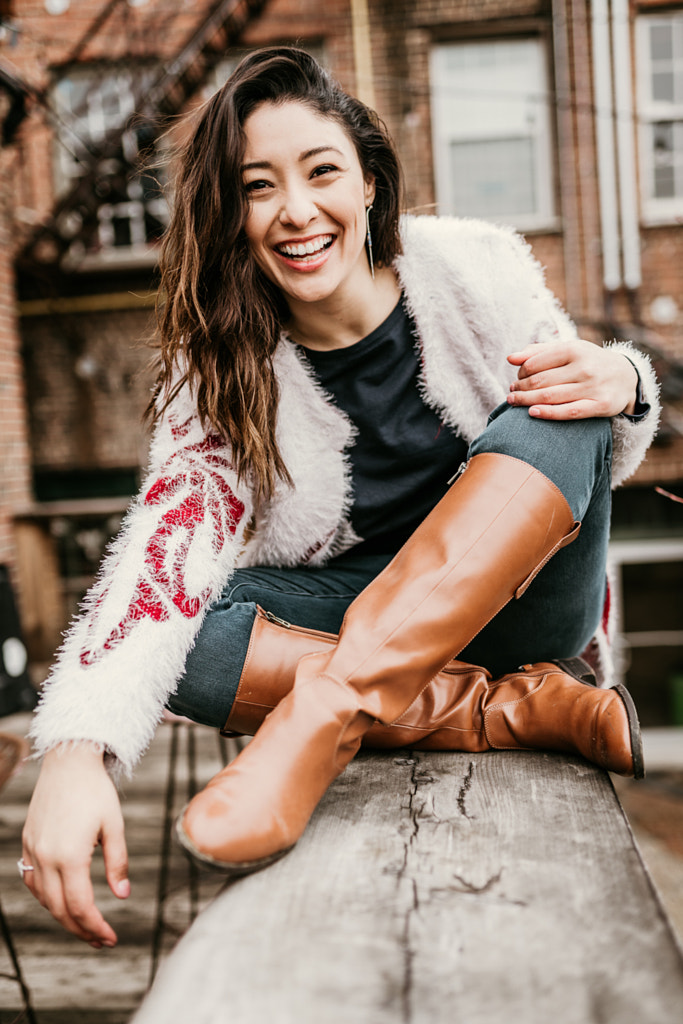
306	223
327	370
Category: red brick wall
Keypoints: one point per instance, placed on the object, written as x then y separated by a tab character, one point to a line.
65	426
14	451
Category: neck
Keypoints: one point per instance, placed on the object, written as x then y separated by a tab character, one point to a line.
344	319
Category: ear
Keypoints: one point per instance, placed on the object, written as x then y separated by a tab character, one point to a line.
370	190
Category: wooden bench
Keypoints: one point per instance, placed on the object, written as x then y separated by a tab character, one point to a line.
498	888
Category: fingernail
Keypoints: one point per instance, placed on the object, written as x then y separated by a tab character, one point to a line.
123	889
108	943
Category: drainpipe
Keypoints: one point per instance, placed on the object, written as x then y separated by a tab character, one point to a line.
604	126
569	187
628	200
362	54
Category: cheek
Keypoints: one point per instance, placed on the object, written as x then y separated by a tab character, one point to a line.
254	229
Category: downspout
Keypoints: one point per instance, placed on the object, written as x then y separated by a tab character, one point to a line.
569	188
604	127
628	200
362	53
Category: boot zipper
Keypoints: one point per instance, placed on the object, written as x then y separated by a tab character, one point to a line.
460	470
274	618
289	625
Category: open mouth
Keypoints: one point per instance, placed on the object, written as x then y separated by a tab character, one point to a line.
305	252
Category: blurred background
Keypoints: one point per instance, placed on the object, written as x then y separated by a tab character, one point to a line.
562	118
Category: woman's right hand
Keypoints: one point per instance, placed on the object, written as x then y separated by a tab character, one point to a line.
75	808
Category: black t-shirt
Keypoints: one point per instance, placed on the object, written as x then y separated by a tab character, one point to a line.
403	455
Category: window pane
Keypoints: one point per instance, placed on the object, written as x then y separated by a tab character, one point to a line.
121	227
661	42
493	177
664	183
663	138
663	145
663	86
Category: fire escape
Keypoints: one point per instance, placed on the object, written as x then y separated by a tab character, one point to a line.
107	167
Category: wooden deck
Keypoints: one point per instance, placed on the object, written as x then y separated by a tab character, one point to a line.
438	887
72	984
69	982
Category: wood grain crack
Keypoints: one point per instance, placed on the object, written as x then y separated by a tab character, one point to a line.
477	889
414	810
464	790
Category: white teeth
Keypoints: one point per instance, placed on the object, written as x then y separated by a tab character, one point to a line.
306	248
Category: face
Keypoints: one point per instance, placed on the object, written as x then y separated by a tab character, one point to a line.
307	200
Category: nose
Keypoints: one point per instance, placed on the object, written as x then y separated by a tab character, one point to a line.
298	207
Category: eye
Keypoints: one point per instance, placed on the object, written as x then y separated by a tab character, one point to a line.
323	169
257	185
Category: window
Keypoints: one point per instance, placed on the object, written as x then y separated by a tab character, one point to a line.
660	85
646	577
491	131
90	104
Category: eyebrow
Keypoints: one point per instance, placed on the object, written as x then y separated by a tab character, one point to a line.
306	155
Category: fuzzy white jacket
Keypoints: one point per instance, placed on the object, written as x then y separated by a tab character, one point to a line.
476	293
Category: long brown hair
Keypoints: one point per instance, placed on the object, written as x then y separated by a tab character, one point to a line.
219	317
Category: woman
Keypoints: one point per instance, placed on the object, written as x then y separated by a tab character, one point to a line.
324	376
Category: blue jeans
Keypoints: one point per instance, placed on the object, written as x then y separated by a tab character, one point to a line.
555	618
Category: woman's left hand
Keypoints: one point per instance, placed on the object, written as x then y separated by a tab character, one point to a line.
573	380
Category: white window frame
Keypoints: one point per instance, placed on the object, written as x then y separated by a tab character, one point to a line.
90	124
445	132
654	210
639	552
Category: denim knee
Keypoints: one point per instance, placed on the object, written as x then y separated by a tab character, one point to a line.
207	688
575	454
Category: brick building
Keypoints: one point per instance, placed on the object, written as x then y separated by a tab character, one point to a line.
563	118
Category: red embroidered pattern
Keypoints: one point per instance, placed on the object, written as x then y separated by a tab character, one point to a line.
180	430
161	584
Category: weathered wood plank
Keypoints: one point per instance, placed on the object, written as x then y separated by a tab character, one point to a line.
439	887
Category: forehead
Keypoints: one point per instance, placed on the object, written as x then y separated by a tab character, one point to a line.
276	127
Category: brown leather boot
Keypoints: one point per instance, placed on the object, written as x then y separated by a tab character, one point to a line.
438	714
483	544
547	706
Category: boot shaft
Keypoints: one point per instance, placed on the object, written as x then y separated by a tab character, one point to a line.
480	546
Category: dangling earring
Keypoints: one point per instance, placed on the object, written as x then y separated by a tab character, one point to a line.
368	240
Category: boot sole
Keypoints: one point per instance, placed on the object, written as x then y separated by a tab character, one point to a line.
634	729
230	868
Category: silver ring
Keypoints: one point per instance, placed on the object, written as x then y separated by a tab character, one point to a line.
23	868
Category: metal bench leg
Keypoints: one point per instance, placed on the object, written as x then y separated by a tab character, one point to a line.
28	1011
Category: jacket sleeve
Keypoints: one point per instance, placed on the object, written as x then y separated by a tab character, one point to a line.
125	652
549	322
